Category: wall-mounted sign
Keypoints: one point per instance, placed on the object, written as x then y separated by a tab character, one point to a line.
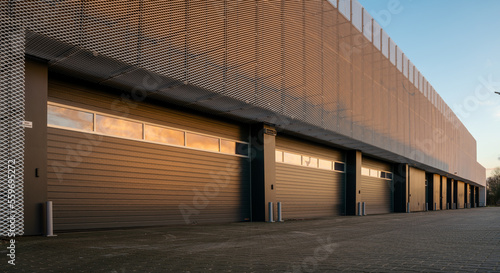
27	124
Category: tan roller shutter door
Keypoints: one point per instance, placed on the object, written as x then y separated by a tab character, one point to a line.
103	182
309	192
376	192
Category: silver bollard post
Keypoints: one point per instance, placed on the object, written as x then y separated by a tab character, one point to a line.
359	209
280	216
435	206
49	222
426	206
408	207
271	218
364	209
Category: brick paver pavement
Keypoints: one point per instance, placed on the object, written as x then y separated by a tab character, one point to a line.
465	240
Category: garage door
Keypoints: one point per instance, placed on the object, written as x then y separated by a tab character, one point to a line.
376	185
309	179
115	163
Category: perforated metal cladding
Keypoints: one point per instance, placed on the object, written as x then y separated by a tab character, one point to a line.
12	114
302	61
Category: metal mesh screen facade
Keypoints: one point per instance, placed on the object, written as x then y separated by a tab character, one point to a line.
12	115
324	69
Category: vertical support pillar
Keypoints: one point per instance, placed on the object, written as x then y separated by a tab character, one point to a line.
263	141
455	193
449	186
400	189
280	216
270	217
353	182
444	193
35	163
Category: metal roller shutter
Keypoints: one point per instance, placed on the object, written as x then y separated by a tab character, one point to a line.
308	192
104	182
376	192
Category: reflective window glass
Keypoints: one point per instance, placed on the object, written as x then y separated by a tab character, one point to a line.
291	158
202	142
164	135
70	118
279	156
388	176
241	148
382	174
309	161
365	171
325	164
339	166
118	127
374	173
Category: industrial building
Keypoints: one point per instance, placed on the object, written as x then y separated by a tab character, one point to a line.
143	113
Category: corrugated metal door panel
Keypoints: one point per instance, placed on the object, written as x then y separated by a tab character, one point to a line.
122	104
376	192
376	164
105	182
437	192
377	195
460	194
444	191
123	187
309	192
304	147
417	189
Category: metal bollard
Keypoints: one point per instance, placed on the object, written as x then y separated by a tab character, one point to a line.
271	218
426	206
364	209
280	219
408	207
359	209
49	221
435	206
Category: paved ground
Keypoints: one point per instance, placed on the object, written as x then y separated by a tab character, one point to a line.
466	240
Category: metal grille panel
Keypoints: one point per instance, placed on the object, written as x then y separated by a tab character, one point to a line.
12	114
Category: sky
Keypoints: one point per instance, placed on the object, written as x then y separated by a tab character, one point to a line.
455	44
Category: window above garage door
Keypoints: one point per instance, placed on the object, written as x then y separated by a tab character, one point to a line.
77	119
309	161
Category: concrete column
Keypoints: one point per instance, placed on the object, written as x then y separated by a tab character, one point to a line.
353	182
401	187
263	140
35	151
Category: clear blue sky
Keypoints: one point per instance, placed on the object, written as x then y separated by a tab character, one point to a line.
455	44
